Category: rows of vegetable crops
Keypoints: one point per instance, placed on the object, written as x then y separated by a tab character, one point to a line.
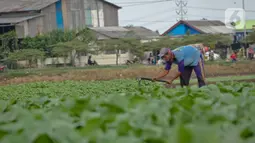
119	111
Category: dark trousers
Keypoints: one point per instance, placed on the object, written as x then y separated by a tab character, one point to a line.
186	75
250	55
234	60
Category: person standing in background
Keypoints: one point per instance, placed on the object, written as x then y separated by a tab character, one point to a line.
211	55
251	53
150	58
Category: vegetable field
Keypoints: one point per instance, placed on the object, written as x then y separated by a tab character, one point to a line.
116	72
119	111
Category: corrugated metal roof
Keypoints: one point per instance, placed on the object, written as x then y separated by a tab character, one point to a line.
143	32
205	22
122	32
28	5
210	26
109	28
111	31
112	4
23	5
204	26
215	29
14	20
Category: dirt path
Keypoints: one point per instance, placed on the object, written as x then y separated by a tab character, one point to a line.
132	72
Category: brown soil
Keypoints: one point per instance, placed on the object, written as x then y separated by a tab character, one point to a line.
174	85
146	71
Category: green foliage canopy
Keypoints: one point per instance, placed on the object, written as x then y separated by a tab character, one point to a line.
9	43
43	41
250	38
26	54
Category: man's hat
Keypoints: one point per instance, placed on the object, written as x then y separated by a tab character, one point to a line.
163	51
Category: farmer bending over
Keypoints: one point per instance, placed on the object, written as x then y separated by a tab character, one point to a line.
187	58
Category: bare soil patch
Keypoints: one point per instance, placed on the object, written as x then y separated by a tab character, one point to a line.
132	72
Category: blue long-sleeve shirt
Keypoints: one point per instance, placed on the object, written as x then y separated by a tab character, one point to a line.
184	56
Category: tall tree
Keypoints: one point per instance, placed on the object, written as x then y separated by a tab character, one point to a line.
83	43
134	46
62	50
113	45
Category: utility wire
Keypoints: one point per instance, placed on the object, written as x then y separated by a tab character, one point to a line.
164	21
217	9
135	2
164	11
204	16
160	21
149	21
75	5
141	4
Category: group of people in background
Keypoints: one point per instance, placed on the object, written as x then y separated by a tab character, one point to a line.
234	55
153	60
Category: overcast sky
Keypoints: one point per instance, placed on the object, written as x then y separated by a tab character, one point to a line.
162	15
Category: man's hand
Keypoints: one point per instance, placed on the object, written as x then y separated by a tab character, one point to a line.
154	79
164	73
170	82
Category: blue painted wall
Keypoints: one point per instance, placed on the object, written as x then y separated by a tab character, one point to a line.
59	15
182	29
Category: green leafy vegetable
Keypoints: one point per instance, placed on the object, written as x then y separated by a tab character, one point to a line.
120	112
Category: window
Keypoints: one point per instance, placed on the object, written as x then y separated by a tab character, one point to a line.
76	18
88	17
76	13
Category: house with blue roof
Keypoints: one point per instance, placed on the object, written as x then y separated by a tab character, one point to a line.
192	27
